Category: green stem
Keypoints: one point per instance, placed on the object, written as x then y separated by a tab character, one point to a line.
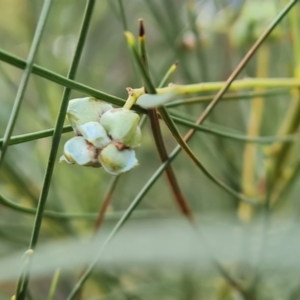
167	76
229	96
25	78
53	286
56	137
68	216
123	15
234	136
241	84
61	80
19	139
60	121
23	272
163	82
50	214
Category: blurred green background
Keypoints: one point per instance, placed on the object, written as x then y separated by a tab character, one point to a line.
208	39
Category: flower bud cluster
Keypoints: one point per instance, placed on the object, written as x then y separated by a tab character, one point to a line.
105	136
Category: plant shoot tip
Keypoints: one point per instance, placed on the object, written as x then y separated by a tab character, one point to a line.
142	29
29	252
130	38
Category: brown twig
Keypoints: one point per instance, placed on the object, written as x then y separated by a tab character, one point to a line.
159	142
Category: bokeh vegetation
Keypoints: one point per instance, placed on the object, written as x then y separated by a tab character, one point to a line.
241	250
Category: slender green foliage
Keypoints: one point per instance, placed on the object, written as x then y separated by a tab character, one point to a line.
169	122
275	185
25	78
54	77
53	286
56	139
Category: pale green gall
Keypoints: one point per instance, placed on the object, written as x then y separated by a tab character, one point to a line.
78	151
83	110
121	125
115	161
94	133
